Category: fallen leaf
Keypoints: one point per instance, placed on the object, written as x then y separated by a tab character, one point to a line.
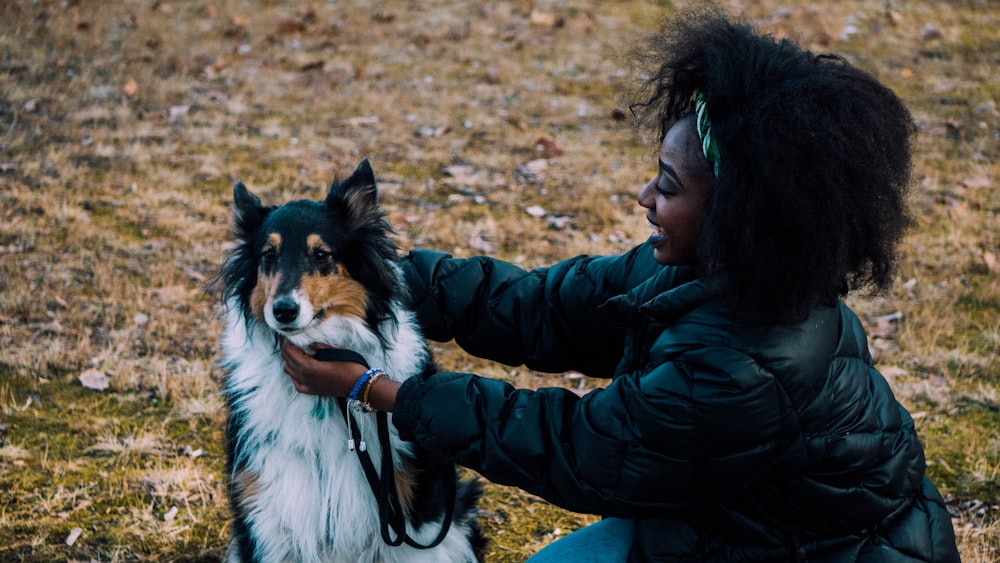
891	373
195	275
131	87
94	379
74	534
177	111
991	262
890	317
886	326
548	146
480	244
988	108
428	131
544	19
536	166
290	25
362	120
931	32
978	182
462	173
170	514
559	222
535	211
848	31
531	172
156	243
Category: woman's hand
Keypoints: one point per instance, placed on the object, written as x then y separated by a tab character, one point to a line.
313	377
333	379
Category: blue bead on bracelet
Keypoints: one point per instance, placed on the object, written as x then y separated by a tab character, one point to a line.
360	383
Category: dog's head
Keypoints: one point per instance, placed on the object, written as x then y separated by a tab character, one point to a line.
300	264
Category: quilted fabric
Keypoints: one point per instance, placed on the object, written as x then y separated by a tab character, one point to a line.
724	440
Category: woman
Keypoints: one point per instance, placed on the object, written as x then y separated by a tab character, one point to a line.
744	420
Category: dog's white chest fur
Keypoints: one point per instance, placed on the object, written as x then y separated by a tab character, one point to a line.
310	498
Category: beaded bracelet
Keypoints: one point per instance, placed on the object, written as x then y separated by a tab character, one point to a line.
365	404
353	395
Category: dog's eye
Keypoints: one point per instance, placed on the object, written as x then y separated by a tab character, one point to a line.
321	255
269	255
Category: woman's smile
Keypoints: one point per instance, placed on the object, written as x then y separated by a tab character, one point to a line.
658	237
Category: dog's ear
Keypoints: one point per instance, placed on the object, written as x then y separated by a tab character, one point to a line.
248	212
356	197
362	177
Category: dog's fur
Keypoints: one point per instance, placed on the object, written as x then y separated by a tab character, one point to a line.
323	272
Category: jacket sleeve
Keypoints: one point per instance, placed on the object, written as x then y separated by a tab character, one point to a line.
544	318
661	440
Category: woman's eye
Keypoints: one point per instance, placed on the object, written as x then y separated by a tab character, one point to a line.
664	185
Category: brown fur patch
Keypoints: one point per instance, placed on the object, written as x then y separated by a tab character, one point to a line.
315	242
245	489
261	292
265	284
336	294
406	485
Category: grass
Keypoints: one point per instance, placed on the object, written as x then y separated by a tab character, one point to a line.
123	126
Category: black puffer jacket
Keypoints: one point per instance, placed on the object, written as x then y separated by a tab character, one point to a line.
724	441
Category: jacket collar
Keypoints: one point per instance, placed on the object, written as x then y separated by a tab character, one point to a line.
671	293
678	301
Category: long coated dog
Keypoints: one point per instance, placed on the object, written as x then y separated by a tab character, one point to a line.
311	478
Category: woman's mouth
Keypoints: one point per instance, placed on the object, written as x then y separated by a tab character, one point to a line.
659	236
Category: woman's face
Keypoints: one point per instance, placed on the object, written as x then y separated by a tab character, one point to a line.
675	198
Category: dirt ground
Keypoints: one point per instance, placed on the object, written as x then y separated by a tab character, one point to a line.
494	128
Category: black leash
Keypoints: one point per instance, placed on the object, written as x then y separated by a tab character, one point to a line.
390	511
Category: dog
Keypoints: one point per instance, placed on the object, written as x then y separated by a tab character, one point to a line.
327	272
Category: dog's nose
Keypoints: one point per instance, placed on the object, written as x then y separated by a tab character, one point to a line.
285	310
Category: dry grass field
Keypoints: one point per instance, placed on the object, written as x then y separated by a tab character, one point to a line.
493	127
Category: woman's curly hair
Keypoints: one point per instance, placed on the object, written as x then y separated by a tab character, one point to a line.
809	202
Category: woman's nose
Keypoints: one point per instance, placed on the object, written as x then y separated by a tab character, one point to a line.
645	195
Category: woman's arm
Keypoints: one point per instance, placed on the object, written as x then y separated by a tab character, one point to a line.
648	442
545	318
